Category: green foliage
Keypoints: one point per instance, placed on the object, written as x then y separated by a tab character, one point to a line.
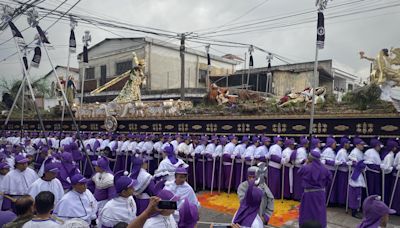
364	97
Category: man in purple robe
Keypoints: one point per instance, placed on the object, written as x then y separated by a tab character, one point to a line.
188	214
145	186
104	181
376	213
298	158
373	170
342	176
68	169
274	167
315	179
228	161
248	213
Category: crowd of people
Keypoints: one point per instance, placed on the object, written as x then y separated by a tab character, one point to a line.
99	179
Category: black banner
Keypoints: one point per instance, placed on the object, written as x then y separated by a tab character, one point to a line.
85	54
321	31
72	42
36	57
42	35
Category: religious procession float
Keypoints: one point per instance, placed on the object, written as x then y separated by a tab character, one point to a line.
369	111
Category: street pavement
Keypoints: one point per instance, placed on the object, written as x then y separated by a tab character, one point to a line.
337	217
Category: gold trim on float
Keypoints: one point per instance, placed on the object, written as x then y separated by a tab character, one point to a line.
121	126
169	127
226	127
144	127
389	128
260	127
299	127
102	126
197	127
341	128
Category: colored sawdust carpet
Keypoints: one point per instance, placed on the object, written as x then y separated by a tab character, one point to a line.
284	212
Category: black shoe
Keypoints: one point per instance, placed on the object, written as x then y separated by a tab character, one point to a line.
356	214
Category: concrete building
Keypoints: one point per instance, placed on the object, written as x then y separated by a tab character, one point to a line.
278	80
112	57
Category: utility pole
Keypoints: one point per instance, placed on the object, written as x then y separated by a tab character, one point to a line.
182	54
321	6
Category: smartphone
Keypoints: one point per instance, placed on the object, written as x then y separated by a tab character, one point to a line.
166	204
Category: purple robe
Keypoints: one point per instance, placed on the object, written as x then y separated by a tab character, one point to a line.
374	180
315	179
227	166
249	206
297	186
275	178
6	217
341	183
396	197
67	170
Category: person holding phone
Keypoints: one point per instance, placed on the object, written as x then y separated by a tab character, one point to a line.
162	216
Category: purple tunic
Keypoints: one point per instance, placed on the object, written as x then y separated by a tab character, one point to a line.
227	170
6	217
315	179
67	170
249	206
374	179
275	178
396	197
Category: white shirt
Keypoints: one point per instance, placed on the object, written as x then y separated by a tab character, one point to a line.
356	155
184	191
104	144
53	186
48	223
387	163
160	221
342	157
17	182
132	146
157	146
275	150
229	148
218	151
301	155
183	148
328	154
371	156
124	147
175	144
240	149
286	153
200	149
148	147
210	148
249	152
261	151
76	205
396	161
166	168
119	209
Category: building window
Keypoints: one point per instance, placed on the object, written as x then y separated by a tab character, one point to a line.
123	67
89	73
350	87
202	75
103	75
